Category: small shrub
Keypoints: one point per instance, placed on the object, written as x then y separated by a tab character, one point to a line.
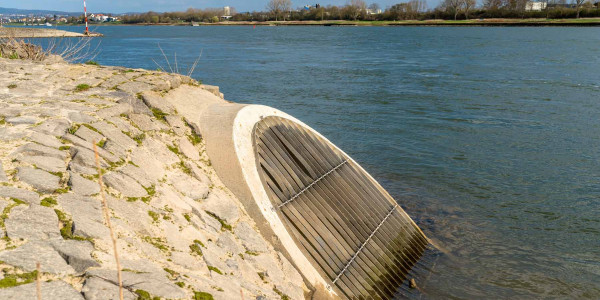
12	86
82	87
180	284
92	62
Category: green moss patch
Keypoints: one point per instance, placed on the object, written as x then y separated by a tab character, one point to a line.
215	269
202	296
224	225
12	280
82	87
48	202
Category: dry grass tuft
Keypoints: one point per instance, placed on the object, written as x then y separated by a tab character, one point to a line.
107	217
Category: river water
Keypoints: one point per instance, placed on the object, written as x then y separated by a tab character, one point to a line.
488	137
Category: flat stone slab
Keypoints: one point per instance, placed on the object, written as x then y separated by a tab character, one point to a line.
22	120
38	179
125	185
20	194
250	238
45	139
50	164
27	255
82	186
222	206
189	186
3	177
156	283
54	290
188	149
88	134
33	149
156	101
96	288
86	213
33	223
76	253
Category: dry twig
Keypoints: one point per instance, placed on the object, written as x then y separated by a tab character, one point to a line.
107	217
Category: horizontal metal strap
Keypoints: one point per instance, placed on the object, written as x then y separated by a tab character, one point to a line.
364	244
313	183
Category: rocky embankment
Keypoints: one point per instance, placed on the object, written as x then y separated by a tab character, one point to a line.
181	233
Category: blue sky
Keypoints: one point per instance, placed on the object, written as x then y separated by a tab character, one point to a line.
120	6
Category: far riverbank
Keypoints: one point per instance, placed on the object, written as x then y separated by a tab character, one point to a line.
584	22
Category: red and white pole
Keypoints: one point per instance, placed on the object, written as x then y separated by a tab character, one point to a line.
86	20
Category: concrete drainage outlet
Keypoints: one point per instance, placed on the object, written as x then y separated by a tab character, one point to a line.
338	226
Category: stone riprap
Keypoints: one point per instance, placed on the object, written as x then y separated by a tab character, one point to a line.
180	232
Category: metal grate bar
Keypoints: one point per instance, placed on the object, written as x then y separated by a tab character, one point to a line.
365	243
312	184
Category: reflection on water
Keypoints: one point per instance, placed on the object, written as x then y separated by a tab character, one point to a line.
489	137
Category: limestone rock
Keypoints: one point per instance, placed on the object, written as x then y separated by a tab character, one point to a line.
139	174
156	283
197	172
76	253
26	256
3	177
45	139
177	124
38	179
33	149
55	127
146	123
22	120
79	117
156	101
87	215
134	87
96	288
115	110
54	290
137	105
82	186
33	223
50	164
188	186
222	206
20	194
88	134
251	239
188	149
125	185
148	162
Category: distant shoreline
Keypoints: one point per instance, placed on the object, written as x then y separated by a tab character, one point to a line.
584	22
588	22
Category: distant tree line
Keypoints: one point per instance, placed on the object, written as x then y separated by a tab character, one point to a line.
358	10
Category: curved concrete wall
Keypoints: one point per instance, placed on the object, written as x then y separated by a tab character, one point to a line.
228	130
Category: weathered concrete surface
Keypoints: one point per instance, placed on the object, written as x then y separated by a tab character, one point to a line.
172	216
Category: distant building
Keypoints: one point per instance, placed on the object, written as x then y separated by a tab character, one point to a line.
374	12
226	13
535	6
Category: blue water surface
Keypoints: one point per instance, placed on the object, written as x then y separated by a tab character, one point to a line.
488	137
